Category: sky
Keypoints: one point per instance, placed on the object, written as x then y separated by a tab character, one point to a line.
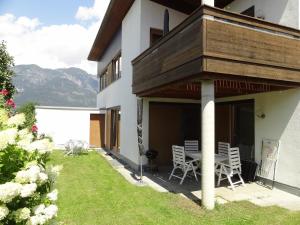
51	33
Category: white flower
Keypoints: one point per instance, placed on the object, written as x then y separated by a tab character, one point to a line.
50	211
42	146
39	209
34	172
43	177
17	120
8	137
22	214
3	141
9	191
37	220
31	175
28	190
25	138
22	177
3	212
52	196
3	116
44	213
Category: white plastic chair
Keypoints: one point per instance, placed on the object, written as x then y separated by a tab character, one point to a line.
191	146
223	148
179	162
232	168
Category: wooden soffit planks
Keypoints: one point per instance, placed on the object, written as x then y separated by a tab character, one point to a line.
112	21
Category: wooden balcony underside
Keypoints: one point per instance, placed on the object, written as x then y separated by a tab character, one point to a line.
215	44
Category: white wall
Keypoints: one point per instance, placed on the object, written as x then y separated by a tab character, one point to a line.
63	124
284	12
282	122
110	52
153	17
136	25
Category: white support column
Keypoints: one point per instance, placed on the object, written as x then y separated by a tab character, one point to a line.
208	144
208	2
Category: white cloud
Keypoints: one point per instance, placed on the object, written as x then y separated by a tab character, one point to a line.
55	46
97	11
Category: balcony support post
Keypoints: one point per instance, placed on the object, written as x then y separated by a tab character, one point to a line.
208	143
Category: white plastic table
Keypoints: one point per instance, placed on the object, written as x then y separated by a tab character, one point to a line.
198	156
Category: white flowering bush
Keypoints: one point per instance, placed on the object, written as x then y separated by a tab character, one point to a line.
26	185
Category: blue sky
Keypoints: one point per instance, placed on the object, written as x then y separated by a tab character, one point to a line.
51	33
47	11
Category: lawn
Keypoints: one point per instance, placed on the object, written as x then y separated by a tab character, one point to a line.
91	192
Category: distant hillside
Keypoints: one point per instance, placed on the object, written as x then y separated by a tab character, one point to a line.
61	87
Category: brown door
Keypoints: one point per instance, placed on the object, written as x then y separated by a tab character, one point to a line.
108	129
115	130
97	125
223	123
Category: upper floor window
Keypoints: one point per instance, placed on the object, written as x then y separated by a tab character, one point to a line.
117	67
111	73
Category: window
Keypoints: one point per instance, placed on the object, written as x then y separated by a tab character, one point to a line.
111	73
249	12
112	129
103	80
117	67
155	35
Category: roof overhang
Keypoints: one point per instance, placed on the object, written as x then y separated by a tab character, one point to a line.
112	21
118	9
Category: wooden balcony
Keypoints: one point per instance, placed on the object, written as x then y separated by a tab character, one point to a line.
216	44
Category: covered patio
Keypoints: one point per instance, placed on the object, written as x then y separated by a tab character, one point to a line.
215	54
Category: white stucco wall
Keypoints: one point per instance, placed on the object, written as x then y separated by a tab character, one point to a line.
284	12
282	122
136	25
153	17
63	124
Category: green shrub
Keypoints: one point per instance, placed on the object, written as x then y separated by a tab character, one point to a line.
29	110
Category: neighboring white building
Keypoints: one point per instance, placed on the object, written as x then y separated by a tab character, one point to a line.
268	107
69	123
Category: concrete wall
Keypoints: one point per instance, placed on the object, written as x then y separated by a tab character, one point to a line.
282	122
111	52
284	12
135	38
63	124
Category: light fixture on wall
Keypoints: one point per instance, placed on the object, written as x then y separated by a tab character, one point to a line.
260	114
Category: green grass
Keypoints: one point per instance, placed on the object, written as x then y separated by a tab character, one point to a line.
91	192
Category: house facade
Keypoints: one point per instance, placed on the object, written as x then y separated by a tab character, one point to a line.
227	70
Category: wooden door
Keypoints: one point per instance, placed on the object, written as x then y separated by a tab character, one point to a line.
108	130
224	123
97	125
164	130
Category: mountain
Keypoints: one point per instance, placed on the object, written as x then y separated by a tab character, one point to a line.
71	87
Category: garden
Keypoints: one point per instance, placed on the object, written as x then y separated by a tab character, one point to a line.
27	194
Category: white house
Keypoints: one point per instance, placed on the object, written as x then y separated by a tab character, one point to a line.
228	70
71	123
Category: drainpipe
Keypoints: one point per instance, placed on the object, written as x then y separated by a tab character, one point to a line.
166	22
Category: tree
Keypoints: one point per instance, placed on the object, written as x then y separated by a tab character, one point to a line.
29	111
6	71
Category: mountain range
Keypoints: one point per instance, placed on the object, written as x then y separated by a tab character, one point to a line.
71	87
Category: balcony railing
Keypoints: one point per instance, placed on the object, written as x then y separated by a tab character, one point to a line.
213	43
